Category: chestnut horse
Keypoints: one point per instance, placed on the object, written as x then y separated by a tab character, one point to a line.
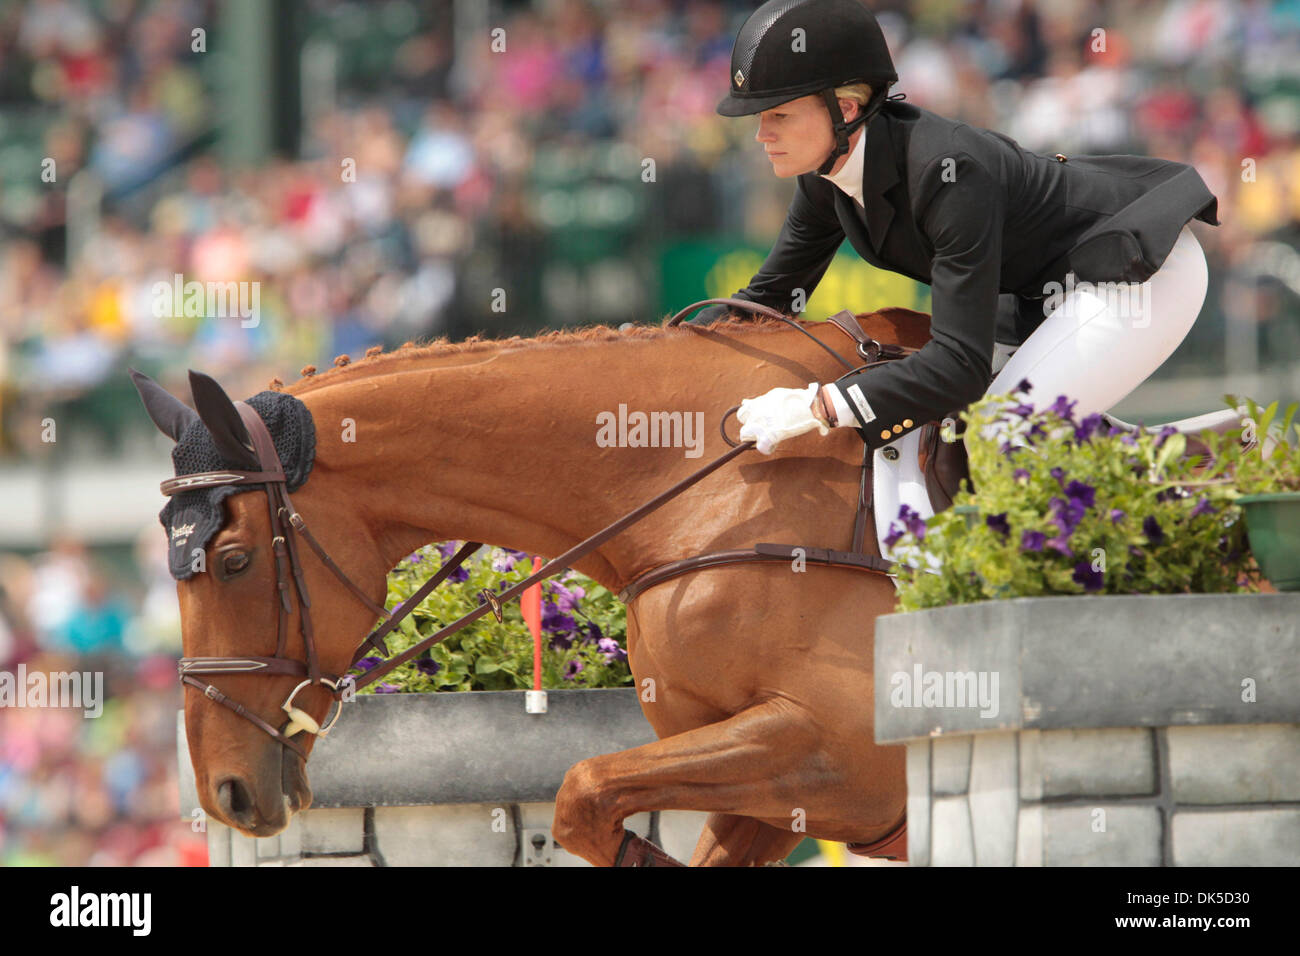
756	678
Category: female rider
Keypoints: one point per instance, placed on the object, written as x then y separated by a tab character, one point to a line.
992	228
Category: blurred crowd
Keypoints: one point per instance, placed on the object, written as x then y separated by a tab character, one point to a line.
420	187
424	180
99	790
79	791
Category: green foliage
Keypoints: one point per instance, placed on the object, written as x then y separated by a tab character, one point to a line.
487	655
1267	458
1066	507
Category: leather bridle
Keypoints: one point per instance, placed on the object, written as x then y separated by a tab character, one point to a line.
287	524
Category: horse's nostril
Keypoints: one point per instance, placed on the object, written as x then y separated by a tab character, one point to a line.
234	798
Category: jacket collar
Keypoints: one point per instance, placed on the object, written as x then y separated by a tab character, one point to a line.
879	174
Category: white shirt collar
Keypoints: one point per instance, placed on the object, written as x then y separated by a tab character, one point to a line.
849	178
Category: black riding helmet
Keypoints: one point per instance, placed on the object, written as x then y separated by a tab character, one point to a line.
841	43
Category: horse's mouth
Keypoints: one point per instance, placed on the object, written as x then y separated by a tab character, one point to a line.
293	782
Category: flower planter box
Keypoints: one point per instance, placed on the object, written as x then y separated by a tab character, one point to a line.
451	779
1146	730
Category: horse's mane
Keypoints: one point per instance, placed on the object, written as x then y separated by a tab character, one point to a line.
376	359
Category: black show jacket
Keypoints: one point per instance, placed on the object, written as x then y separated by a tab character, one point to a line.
976	217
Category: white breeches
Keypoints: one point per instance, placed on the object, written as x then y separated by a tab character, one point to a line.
1100	343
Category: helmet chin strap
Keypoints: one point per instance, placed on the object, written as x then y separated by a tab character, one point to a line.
843	130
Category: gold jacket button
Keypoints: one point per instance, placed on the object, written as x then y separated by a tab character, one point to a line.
907	423
897	429
885	433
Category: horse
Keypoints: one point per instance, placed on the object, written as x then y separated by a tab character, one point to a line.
756	678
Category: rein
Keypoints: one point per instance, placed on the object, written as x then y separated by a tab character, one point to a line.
287	524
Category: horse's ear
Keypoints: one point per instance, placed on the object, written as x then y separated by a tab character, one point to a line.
168	412
222	418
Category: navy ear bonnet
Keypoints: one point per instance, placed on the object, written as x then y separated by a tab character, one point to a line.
191	518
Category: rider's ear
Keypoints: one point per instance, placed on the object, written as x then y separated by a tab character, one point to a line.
221	417
169	413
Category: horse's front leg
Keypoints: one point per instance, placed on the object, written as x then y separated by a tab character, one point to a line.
765	762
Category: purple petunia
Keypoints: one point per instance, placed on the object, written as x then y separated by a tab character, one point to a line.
611	649
1085	494
556	621
506	559
1203	507
447	549
1116	516
914	522
999	524
1024	386
1066	514
1059	474
387	689
1088	576
1090	425
1032	541
1060	544
1021	475
566	599
368	663
1151	528
572	668
427	666
1064	408
1023	410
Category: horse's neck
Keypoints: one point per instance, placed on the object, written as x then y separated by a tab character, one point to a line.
502	446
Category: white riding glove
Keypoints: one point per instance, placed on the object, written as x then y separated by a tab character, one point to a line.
777	415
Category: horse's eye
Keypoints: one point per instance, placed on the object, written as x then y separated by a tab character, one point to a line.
235	561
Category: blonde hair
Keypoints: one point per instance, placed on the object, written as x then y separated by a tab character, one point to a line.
859	93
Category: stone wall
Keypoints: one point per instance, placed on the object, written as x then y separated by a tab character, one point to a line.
471	834
446	780
1125	731
1230	794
